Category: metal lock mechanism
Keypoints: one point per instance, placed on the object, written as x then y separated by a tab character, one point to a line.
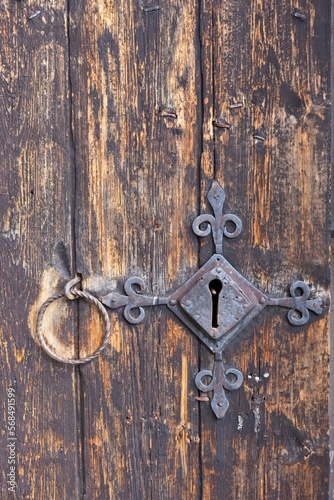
216	303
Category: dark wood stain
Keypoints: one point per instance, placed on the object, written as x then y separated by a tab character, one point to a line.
115	117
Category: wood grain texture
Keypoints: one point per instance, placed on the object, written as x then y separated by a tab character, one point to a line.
35	248
135	89
273	162
115	118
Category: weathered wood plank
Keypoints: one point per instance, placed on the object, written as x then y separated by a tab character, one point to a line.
35	249
152	107
273	161
136	85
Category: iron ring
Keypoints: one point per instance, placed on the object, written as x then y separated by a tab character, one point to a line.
90	298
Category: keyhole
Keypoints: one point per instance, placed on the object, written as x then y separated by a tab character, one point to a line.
215	287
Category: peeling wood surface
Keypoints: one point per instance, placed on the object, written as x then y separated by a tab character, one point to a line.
115	118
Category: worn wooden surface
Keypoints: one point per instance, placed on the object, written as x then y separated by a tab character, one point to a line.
137	176
36	248
273	162
109	114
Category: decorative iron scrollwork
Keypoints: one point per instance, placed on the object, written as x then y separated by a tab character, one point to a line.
219	382
216	303
134	300
217	224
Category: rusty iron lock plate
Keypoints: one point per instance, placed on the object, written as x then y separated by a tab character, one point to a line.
217	302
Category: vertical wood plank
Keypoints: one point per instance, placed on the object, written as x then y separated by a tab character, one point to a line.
135	88
141	88
273	162
35	250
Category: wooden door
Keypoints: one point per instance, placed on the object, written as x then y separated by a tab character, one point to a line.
116	117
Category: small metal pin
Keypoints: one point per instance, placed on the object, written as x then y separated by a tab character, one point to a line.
236	105
151	9
168	114
299	15
202	398
221	125
35	14
259	137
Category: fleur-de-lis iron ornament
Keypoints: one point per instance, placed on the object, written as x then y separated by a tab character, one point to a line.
216	303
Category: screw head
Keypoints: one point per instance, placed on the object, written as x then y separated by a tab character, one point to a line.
262	300
172	302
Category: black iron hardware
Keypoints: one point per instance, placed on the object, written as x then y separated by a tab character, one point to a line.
216	303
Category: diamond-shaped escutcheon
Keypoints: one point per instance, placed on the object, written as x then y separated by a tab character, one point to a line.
217	302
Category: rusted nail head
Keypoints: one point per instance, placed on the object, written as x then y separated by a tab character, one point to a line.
166	113
221	125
